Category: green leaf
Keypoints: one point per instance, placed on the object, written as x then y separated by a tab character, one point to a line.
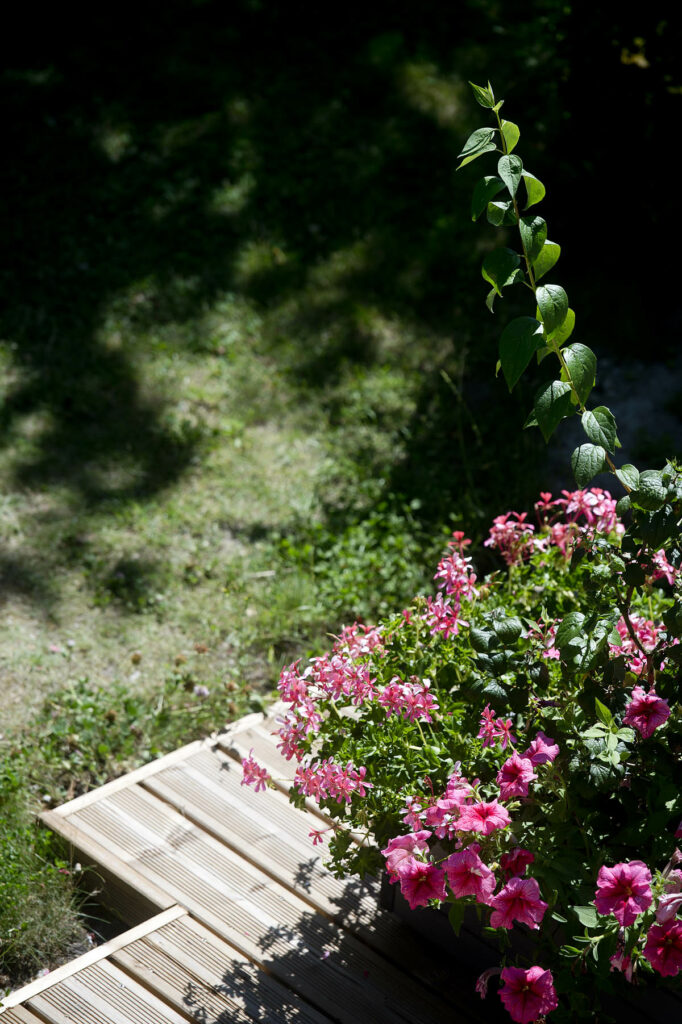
551	405
499	268
501	213
490	303
511	134
456	915
553	305
586	461
479	142
564	332
546	259
651	493
587	916
628	476
484	190
509	169
533	235
570	629
603	713
535	190
582	366
483	96
600	426
520	339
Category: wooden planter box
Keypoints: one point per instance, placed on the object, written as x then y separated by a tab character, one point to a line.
474	951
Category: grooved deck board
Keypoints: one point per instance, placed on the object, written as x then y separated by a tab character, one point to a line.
253	927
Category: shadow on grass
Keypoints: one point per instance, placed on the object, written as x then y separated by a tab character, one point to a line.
161	159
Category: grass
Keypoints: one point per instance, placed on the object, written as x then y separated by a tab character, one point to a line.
245	379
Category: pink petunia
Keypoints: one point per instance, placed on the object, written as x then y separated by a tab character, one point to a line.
520	901
624	891
403	847
515	862
420	882
646	711
514	777
622	961
529	994
483	818
468	875
541	750
663	948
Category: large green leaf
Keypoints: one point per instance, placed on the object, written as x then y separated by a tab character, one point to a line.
501	213
582	366
520	339
553	305
546	259
509	168
479	142
552	404
586	461
483	94
651	492
564	331
628	476
600	426
511	134
535	190
587	916
484	190
533	235
499	268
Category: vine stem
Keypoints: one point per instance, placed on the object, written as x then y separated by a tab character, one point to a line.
533	286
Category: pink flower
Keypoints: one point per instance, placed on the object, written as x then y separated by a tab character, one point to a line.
678	831
518	901
403	847
620	961
646	711
515	862
514	777
469	876
487	730
541	750
623	891
420	882
668	907
504	733
529	994
663	948
253	774
483	818
483	981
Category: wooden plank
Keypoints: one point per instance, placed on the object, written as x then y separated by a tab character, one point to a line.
19	1015
22	995
263	920
124	887
104	994
273	835
194	971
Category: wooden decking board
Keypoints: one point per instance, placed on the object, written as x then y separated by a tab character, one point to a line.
198	974
19	1015
264	827
105	994
260	917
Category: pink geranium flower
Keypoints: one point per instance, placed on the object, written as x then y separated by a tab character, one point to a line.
483	818
514	777
518	901
529	994
515	862
541	750
624	891
403	847
420	882
663	947
253	774
469	876
646	711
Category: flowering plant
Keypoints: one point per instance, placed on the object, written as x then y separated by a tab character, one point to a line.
515	743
